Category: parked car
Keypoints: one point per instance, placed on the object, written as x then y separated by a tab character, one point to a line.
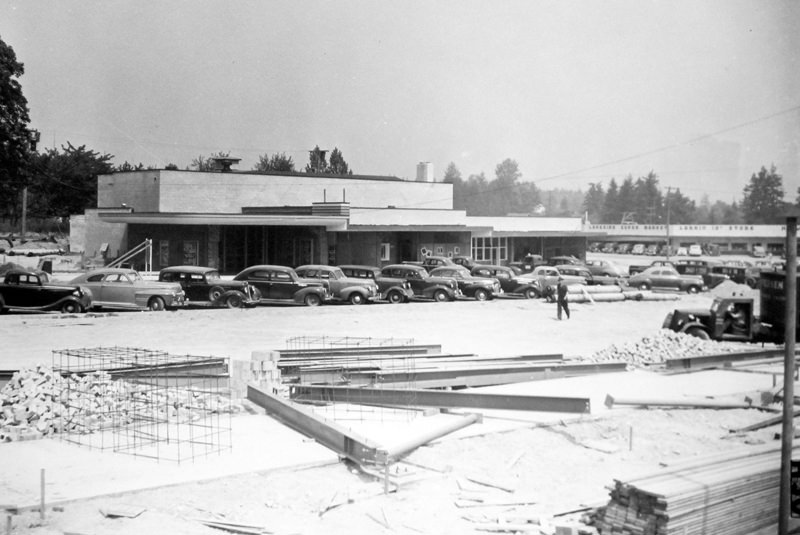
479	288
573	270
595	247
26	290
738	273
695	250
652	249
466	261
122	288
424	285
390	289
509	280
546	278
204	287
281	284
342	288
433	262
694	266
604	268
609	247
667	278
528	262
638	249
562	260
624	248
681	251
634	269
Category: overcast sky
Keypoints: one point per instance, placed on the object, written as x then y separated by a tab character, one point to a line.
702	92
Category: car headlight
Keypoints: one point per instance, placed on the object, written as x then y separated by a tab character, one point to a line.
77	293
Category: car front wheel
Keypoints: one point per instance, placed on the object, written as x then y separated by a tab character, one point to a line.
644	286
530	293
70	307
440	295
481	295
156	304
312	300
234	301
692	290
395	297
215	293
356	299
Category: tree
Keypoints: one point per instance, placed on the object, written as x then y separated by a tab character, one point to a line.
128	167
337	165
17	141
277	162
65	183
593	202
452	175
763	197
611	212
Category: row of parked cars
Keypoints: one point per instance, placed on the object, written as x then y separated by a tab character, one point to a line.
649	249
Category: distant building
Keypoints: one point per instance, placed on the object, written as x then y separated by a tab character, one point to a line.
425	172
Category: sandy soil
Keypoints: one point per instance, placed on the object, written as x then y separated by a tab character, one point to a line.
559	466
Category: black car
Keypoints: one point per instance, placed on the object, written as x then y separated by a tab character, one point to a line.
394	290
281	284
204	287
424	285
508	279
479	288
26	290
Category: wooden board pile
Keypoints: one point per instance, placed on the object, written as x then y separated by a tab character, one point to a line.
661	346
38	402
733	495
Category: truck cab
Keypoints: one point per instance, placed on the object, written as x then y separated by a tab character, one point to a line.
728	319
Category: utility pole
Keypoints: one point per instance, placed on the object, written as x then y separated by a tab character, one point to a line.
34	140
668	244
787	432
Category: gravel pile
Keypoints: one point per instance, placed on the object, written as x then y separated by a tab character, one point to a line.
662	346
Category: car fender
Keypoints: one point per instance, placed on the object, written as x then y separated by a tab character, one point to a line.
300	295
690	324
436	287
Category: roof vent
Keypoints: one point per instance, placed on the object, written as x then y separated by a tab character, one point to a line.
224	163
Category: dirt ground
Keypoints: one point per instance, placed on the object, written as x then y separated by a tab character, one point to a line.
543	469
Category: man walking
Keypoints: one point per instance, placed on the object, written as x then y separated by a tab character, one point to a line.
561	298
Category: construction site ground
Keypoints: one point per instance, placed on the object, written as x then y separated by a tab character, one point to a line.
512	467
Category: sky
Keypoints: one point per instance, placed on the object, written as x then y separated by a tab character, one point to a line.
703	93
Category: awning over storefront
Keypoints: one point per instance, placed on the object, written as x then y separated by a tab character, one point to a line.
331	223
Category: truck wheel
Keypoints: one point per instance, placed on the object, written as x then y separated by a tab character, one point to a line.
481	295
356	299
751	282
531	293
234	301
697	332
70	307
312	300
395	297
215	293
692	290
441	296
156	304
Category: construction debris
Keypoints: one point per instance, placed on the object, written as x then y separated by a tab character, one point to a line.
660	347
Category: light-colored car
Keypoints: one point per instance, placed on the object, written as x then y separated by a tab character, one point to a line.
695	250
546	278
667	278
342	288
121	288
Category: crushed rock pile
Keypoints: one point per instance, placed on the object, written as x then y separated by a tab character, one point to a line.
38	402
662	346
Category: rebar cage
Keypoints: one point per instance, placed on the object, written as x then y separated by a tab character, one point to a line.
143	402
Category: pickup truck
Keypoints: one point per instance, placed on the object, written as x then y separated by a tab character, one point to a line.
25	290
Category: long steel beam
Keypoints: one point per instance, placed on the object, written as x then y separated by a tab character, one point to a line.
440	399
714	361
327	432
460	376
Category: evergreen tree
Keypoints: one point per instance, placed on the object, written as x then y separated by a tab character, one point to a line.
763	197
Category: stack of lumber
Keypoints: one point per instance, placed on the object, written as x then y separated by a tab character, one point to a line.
735	494
660	347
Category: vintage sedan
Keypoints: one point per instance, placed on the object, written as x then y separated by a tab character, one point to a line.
342	288
204	287
27	290
667	278
424	285
510	281
125	289
281	284
479	288
394	290
546	278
